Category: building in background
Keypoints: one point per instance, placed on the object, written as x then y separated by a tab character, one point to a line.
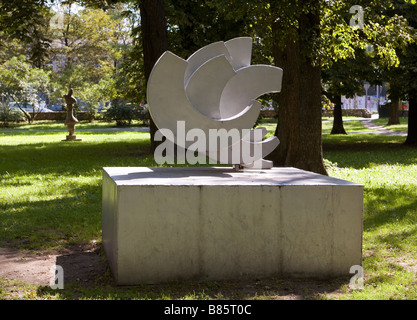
373	97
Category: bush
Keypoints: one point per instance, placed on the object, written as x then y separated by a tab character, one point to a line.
7	115
124	113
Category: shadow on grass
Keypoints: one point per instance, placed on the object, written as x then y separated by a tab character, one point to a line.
87	276
62	133
64	158
40	127
53	223
77	214
394	209
359	140
64	204
389	205
360	156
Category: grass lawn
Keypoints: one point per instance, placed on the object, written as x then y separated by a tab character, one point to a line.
395	127
45	125
350	125
388	170
51	190
50	197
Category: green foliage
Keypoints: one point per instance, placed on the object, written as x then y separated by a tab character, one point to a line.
9	47
124	113
8	115
356	54
403	78
339	38
326	103
87	38
22	84
27	21
88	47
194	24
97	94
130	77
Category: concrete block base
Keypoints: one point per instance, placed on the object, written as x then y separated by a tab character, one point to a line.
164	224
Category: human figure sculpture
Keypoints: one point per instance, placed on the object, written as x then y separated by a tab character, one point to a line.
70	120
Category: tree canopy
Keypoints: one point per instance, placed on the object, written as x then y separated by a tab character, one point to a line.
325	46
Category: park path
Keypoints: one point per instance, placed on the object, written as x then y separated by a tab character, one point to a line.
140	129
376	129
381	129
367	122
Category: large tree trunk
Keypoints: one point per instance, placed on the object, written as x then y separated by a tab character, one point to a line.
337	116
412	120
287	129
299	103
393	117
154	41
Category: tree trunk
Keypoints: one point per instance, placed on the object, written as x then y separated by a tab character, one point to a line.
154	42
412	120
287	129
393	117
337	116
299	102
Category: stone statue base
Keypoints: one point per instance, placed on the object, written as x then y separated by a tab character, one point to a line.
170	224
71	138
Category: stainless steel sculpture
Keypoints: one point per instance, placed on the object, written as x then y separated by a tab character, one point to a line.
215	88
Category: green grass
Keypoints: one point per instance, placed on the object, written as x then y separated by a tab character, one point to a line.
388	171
51	189
349	125
46	125
50	197
394	127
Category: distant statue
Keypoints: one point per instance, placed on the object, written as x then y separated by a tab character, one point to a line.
70	120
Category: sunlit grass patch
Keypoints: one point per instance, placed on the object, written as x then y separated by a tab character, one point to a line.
47	125
348	125
402	126
51	189
389	176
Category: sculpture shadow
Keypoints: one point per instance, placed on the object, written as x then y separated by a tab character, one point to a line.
160	173
82	267
86	275
213	175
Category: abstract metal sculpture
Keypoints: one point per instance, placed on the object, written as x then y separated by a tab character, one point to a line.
215	88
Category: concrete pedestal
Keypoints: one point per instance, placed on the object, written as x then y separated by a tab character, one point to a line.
71	138
163	224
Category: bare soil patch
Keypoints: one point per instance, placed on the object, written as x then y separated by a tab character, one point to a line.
80	263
